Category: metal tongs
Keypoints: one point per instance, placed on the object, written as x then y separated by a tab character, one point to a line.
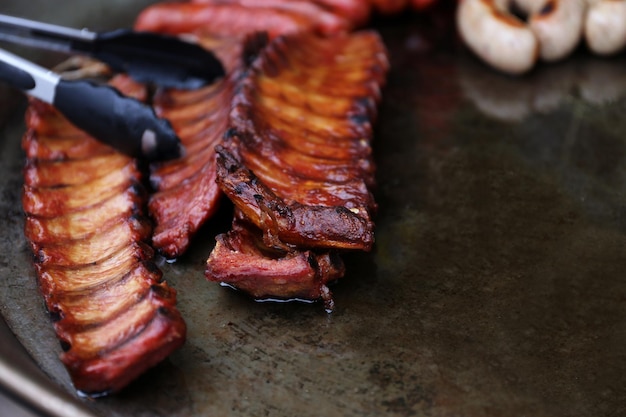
148	57
122	122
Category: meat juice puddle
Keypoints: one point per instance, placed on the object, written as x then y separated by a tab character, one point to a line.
271	300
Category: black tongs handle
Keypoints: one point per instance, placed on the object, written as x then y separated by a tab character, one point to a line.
148	57
122	122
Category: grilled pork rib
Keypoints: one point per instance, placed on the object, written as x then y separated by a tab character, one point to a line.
85	220
296	161
186	192
303	91
241	254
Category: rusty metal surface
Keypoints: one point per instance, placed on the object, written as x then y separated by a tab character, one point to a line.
496	287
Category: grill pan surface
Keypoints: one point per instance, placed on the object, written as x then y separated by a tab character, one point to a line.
496	286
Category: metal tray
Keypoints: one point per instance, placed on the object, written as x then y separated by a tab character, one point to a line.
496	286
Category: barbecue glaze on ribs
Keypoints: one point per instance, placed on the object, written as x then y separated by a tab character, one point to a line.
86	224
296	162
186	194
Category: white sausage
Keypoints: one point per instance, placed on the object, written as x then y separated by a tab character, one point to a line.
496	36
554	29
605	26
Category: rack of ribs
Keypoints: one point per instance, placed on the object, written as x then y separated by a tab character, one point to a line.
296	162
185	192
86	224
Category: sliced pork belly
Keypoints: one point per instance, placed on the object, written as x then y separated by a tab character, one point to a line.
87	227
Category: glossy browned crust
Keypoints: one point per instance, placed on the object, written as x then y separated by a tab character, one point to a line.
82	223
186	193
86	224
307	226
241	259
285	186
296	162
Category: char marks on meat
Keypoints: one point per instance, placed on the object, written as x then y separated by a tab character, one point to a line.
86	223
186	192
296	160
241	254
